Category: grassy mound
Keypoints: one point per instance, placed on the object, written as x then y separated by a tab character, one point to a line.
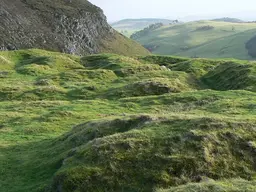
115	123
229	76
162	60
155	86
156	151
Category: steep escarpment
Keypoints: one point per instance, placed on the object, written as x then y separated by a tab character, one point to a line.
75	26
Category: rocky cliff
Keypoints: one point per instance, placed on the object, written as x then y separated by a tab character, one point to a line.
70	26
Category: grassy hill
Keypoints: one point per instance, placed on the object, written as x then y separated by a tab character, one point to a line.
115	123
129	26
201	39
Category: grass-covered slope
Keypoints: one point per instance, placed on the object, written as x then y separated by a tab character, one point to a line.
119	44
114	123
210	39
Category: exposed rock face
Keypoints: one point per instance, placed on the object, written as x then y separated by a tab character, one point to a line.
70	26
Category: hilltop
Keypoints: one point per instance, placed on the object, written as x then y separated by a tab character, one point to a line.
129	26
76	27
108	122
228	19
210	39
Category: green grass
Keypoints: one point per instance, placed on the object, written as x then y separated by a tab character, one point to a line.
186	40
122	45
223	186
115	123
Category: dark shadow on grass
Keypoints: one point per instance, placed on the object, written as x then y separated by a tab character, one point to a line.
27	59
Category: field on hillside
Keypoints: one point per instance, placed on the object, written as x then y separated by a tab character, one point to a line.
209	39
114	123
129	26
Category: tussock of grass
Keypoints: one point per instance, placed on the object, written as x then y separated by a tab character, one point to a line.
154	86
212	186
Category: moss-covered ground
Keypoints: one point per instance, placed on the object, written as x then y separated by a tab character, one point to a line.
114	123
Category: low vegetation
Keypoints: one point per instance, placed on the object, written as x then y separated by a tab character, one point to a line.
108	122
233	185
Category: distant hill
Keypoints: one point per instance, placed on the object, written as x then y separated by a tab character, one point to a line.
243	15
146	30
228	19
210	39
129	26
137	24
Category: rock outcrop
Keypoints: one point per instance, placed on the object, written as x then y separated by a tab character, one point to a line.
70	26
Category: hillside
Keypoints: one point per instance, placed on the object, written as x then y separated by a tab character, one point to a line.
107	122
76	27
208	39
129	26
